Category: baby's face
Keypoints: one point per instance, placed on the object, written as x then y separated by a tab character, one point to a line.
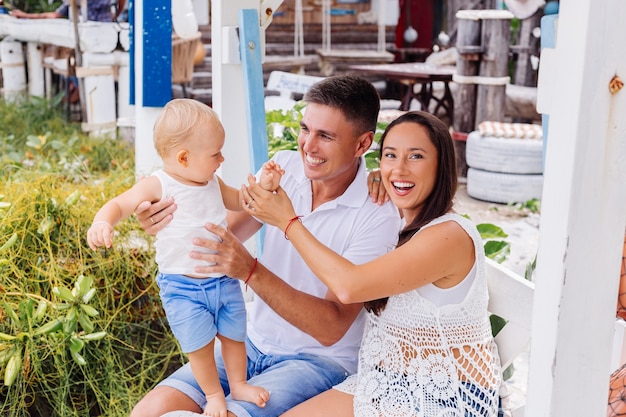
205	154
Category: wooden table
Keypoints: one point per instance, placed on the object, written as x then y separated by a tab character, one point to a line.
329	59
417	73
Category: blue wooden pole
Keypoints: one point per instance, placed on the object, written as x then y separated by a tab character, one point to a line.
157	53
250	49
252	71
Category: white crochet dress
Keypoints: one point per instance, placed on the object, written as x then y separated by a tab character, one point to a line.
420	360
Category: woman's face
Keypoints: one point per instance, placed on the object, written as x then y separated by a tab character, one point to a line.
408	167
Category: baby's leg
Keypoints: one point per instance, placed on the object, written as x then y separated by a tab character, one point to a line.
203	366
235	360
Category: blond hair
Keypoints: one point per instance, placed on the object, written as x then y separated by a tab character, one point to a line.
179	118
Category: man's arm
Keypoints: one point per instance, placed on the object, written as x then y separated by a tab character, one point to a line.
325	319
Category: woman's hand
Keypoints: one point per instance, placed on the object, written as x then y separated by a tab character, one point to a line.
273	208
376	188
153	217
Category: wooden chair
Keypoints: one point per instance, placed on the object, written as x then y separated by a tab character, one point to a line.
510	297
183	53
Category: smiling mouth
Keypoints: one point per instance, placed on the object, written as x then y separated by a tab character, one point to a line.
402	186
314	161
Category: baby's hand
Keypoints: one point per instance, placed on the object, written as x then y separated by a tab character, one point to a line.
270	176
100	234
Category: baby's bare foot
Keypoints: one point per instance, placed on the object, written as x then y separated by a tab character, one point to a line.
215	405
253	394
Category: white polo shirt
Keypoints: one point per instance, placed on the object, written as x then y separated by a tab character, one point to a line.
352	226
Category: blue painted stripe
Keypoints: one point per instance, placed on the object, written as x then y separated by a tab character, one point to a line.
157	53
131	50
252	69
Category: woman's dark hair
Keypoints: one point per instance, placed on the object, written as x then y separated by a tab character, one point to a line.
440	201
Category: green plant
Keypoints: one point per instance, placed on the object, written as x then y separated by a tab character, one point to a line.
35	6
531	206
283	127
53	178
495	249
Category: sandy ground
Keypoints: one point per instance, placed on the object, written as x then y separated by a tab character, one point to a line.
521	226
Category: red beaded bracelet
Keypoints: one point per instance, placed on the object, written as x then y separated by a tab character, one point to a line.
256	261
290	223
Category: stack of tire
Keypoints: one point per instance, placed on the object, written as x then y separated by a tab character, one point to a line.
505	162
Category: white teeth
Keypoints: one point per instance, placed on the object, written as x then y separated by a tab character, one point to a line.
314	161
403	185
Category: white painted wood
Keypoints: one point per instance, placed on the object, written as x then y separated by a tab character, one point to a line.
99	101
146	157
228	95
510	297
120	60
288	83
582	220
618	358
13	71
124	36
34	59
201	9
94	36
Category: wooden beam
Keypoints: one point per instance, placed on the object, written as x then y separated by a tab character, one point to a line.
582	219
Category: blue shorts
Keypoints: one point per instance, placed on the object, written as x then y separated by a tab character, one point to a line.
290	379
215	305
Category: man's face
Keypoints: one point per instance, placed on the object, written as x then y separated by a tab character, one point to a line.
328	144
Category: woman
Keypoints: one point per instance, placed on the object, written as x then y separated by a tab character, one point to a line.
427	349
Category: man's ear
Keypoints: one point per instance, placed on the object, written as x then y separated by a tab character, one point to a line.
182	157
364	142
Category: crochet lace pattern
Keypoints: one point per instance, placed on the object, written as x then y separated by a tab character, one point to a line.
420	360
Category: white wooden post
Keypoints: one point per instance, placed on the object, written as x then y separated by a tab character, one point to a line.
228	94
13	71
146	157
583	206
34	59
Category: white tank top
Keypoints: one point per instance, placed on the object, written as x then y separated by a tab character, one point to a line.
196	206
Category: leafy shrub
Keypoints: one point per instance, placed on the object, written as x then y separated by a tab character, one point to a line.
52	185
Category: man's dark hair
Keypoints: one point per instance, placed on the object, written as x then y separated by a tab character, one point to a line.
354	96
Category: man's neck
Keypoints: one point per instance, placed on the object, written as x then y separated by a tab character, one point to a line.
328	190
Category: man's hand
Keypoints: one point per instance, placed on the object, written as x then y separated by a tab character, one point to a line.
153	217
230	258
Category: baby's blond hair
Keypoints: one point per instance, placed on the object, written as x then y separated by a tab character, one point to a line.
178	119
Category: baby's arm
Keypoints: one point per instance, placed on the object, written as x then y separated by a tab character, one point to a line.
271	174
119	208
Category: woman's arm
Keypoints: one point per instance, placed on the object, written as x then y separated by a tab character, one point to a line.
442	254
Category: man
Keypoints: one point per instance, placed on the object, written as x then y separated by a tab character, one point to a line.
301	339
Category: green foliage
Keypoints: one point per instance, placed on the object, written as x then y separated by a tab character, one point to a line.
498	250
34	6
531	206
82	332
283	127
